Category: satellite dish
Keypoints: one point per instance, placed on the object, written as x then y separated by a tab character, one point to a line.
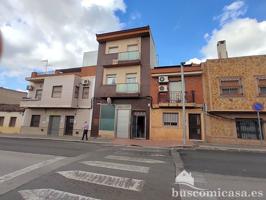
1	44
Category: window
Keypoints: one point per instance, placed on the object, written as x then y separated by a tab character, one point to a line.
2	121
85	92
76	95
131	78
170	119
113	49
248	129
231	87
57	91
12	122
132	47
111	79
262	86
35	120
38	94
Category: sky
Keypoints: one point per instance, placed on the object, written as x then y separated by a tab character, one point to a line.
183	30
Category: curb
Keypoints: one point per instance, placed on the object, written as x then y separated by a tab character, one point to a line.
232	149
179	165
56	139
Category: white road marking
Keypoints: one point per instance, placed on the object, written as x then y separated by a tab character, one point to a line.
111	165
142	150
51	194
103	179
25	170
147	154
134	159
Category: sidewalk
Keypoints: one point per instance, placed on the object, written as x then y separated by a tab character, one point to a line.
230	147
58	138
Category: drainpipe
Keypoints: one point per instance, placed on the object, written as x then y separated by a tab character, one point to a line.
183	104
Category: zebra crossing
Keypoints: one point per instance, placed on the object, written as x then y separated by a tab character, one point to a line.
111	162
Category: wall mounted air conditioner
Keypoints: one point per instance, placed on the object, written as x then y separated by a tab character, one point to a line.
86	82
29	87
163	88
163	79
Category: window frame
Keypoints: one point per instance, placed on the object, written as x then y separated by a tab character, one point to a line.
113	47
2	122
32	123
76	92
134	76
11	122
259	86
241	135
171	123
108	76
83	96
131	45
57	86
36	92
238	86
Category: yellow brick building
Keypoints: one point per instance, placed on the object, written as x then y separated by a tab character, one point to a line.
231	86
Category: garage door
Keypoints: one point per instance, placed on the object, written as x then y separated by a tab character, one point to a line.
122	123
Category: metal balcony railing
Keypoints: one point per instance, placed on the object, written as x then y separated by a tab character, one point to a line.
31	99
176	97
127	88
129	55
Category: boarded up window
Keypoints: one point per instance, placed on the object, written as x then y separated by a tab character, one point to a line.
107	116
231	86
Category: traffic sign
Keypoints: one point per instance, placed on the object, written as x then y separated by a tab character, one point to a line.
257	106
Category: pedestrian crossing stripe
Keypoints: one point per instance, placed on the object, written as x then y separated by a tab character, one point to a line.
111	165
103	179
134	159
51	194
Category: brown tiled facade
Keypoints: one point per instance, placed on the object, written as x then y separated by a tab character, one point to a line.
231	87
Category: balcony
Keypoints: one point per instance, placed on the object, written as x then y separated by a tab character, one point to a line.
129	55
30	102
127	88
175	98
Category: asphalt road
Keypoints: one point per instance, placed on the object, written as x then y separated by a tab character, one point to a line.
45	169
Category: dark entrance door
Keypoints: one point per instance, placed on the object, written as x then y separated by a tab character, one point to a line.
194	126
69	124
54	124
139	125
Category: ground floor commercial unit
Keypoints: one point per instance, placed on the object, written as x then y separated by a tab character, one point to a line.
235	128
127	118
167	124
10	121
55	121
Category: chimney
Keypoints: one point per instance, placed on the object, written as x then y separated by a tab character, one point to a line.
221	49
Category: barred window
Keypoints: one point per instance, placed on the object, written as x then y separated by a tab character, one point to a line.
262	85
170	119
76	94
35	120
231	86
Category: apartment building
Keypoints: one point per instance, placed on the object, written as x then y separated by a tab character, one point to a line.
11	115
166	112
231	86
122	100
58	103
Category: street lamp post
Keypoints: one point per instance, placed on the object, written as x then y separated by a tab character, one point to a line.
183	104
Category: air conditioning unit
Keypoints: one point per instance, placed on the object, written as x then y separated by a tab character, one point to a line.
29	87
163	79
115	61
163	88
86	82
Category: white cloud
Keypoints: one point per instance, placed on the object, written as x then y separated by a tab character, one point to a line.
57	30
195	61
232	12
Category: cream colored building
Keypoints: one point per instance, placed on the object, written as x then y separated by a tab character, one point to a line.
59	103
